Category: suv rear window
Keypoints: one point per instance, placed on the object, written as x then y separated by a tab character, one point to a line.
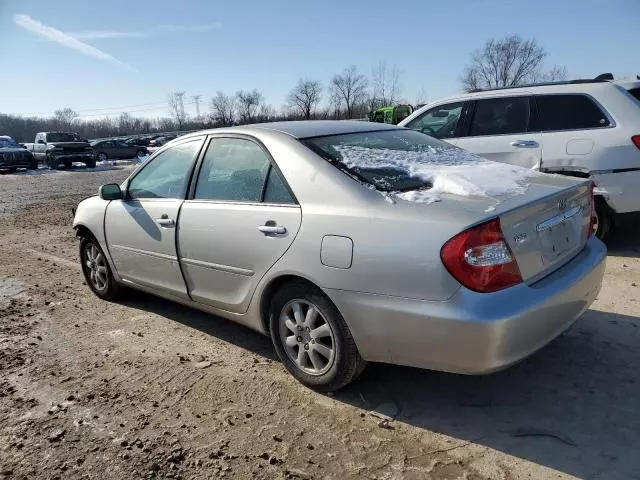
388	159
569	112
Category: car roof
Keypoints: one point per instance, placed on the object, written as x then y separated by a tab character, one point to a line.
305	128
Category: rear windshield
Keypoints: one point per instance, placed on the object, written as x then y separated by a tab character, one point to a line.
389	160
635	92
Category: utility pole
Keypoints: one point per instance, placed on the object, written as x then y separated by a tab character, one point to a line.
196	99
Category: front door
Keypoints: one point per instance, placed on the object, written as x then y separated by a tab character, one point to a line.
141	229
239	221
504	129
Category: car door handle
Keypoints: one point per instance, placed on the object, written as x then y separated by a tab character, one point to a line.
165	221
272	230
525	144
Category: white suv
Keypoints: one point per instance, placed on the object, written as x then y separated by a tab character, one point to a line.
583	128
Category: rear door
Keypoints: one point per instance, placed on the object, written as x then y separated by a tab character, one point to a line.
240	218
504	129
141	229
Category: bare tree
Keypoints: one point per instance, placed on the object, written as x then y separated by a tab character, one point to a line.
508	62
223	109
305	97
65	117
386	85
351	88
176	108
248	103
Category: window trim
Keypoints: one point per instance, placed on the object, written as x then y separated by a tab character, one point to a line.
191	191
125	186
604	111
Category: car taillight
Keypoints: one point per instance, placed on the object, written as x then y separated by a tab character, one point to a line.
592	210
636	140
480	259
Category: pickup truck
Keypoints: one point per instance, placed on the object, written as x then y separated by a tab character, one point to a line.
61	148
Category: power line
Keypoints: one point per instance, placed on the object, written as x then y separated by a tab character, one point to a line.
101	109
130	111
196	99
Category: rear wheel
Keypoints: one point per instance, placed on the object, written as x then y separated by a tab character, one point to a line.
91	163
102	157
96	270
312	339
141	154
603	219
33	165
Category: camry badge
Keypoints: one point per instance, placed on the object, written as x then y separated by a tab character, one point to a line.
520	238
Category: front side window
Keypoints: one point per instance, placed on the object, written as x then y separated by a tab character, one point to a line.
234	169
166	175
440	121
569	112
501	116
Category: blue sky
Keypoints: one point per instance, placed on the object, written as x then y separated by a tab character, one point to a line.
116	53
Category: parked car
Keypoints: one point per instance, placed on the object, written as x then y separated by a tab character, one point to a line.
138	141
116	149
582	128
348	242
61	148
14	156
392	115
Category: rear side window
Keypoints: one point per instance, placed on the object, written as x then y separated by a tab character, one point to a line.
500	116
234	169
276	191
569	112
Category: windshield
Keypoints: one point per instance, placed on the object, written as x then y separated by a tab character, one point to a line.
62	137
8	142
390	160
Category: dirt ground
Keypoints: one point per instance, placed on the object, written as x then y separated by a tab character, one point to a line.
144	388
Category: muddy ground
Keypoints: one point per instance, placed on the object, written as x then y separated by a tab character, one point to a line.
144	388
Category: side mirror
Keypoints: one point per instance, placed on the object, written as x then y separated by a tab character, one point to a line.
110	191
41	142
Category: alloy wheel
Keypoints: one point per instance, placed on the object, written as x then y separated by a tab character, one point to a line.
96	267
307	337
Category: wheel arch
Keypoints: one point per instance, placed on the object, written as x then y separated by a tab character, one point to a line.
273	286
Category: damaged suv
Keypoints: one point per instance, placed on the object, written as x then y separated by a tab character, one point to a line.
580	128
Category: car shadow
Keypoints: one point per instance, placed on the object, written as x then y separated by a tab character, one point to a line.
572	406
624	240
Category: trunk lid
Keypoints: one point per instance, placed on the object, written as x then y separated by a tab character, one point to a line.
546	232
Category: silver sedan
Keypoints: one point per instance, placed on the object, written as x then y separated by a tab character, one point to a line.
348	242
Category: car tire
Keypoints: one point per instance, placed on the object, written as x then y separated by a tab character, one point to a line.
140	154
102	157
326	360
52	163
33	165
603	220
96	270
91	163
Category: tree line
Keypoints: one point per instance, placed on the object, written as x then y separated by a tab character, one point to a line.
506	62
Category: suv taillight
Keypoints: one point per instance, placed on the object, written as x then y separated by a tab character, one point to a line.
592	208
636	140
480	259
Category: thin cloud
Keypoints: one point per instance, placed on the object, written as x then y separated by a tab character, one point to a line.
151	32
100	34
55	35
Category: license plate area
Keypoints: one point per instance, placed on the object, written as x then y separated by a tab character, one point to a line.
559	234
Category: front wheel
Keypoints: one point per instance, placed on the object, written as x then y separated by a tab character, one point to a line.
91	163
312	339
96	270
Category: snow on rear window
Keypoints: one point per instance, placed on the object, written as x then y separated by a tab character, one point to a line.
418	168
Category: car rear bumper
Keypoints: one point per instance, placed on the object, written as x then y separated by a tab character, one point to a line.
74	157
620	190
473	332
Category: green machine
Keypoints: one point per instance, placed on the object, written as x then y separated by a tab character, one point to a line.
392	115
